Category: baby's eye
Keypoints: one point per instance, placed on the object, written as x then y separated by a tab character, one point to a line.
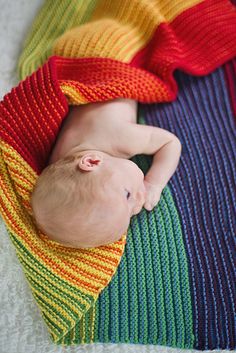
128	194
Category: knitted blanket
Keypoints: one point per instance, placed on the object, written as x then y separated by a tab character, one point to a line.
171	279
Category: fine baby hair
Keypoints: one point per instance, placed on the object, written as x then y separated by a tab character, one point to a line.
67	204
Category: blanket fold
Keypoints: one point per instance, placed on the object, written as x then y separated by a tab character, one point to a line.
95	52
120	54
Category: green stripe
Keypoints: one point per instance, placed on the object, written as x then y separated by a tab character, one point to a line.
157	276
184	285
124	308
54	18
166	271
113	302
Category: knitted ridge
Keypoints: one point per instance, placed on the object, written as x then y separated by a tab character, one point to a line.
153	296
204	192
146	301
100	28
65	282
176	36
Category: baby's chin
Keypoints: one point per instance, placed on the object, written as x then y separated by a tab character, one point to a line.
103	242
92	243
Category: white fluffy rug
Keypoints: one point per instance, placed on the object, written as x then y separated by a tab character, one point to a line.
22	329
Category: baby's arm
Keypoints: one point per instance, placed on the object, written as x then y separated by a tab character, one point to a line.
166	149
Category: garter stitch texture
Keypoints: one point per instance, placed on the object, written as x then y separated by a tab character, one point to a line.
171	279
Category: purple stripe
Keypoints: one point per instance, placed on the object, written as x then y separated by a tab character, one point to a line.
230	71
204	190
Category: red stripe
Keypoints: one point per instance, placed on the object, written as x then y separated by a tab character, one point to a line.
31	115
197	41
102	79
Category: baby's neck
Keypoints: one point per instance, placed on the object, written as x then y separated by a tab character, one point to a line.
69	148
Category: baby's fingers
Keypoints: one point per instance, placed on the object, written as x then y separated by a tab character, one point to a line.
151	201
148	206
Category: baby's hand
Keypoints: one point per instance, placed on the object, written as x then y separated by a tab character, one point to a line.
153	194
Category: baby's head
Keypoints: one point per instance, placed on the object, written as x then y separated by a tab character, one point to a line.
87	198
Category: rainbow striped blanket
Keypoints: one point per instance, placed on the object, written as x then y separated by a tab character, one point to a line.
171	279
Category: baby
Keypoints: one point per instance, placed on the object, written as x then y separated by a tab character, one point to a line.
90	189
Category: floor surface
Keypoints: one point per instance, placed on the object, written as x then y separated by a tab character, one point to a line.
22	329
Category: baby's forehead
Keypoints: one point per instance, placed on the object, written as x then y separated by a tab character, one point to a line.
116	176
113	202
113	192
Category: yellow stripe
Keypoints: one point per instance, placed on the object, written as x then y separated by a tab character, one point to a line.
118	37
29	173
118	30
73	96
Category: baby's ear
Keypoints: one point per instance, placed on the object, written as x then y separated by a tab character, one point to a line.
89	162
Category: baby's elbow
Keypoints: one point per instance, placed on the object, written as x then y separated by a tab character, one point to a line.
177	145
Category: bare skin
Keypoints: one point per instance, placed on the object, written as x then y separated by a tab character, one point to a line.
107	134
